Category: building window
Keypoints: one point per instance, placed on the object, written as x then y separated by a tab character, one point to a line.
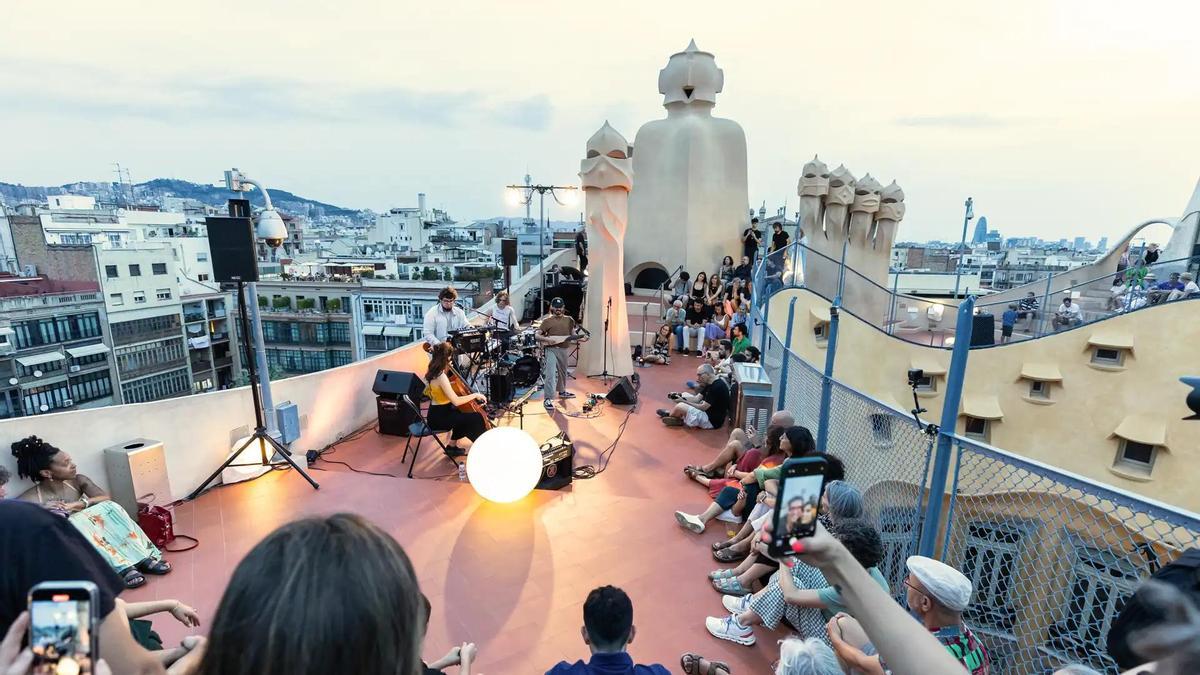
339	357
139	297
820	332
202	277
116	299
881	429
1039	389
1136	457
898	528
202	256
927	383
159	268
1101	584
135	270
163	294
976	428
90	387
1108	356
50	397
110	271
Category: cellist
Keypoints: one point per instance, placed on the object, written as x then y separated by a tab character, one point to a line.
445	404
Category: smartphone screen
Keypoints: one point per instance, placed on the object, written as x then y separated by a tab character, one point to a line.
800	487
62	625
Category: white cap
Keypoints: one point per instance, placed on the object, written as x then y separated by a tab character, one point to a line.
942	582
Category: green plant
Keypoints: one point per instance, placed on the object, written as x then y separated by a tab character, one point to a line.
306	303
430	274
263	301
333	305
367	274
282	302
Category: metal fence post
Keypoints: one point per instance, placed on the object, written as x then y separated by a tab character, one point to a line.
1045	308
892	309
945	445
787	349
763	316
795	262
827	378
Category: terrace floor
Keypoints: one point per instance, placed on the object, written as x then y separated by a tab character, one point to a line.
511	578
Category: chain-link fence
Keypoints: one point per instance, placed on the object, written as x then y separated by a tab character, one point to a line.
1052	556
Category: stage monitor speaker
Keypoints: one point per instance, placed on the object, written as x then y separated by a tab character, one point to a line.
231	249
393	383
508	252
623	392
558	464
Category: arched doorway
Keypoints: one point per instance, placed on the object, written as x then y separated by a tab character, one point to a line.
648	275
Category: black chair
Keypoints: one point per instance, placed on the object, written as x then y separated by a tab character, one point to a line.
421	428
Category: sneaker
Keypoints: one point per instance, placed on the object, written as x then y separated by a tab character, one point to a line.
689	522
692	384
728	628
736	604
728	517
549	403
663	412
672	421
565	394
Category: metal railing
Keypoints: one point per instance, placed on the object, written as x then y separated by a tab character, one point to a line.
1052	556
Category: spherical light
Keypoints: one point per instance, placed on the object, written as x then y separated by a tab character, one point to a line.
504	464
567	197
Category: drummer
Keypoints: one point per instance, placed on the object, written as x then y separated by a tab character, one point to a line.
504	317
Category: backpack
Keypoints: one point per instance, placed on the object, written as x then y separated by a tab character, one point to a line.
1183	574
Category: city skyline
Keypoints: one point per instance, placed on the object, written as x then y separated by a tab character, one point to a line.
1083	129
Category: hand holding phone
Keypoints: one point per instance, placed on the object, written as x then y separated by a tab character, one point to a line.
801	483
63	626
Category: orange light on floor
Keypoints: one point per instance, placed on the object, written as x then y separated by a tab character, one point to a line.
504	464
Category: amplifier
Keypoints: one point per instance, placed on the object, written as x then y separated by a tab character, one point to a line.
558	463
468	341
755	401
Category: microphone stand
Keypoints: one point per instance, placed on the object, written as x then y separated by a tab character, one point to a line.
605	376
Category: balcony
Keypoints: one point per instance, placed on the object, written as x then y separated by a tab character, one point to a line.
120	338
223	362
194	318
152	368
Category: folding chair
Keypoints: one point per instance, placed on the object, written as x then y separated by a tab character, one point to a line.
421	428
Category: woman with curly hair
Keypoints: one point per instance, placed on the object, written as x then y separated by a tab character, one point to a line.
61	489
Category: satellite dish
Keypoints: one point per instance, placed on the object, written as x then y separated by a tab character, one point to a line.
13	380
37	373
44	407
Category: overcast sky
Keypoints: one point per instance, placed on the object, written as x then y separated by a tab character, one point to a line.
1060	117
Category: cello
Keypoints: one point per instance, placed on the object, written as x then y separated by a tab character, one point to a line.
461	388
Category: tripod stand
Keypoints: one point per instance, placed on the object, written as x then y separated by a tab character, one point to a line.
604	375
260	429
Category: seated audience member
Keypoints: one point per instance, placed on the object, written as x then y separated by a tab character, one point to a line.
742	315
1190	288
746	463
342	569
740	442
741	338
937	596
660	348
795	441
717	328
607	631
733	296
675	318
716	291
694	320
40	546
808	656
681	289
462	655
699	289
62	490
1163	290
725	271
1172	640
744	270
1068	314
1029	309
800	592
701	411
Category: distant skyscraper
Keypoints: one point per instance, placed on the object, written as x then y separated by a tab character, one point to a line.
980	231
1080	244
1103	244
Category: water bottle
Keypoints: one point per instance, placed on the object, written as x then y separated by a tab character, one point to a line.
462	472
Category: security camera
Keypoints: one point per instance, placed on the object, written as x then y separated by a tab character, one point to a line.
914	376
274	242
1193	397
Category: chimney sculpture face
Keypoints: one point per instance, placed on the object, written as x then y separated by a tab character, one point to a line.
608	162
691	76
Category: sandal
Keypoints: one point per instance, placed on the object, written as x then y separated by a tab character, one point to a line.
152	566
721	574
728	555
690	663
691	471
718	545
730	586
133	578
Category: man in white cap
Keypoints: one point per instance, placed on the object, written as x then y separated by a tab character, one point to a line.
937	595
1189	288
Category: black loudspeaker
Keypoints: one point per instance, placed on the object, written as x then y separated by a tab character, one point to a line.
508	252
394	414
558	464
500	386
231	249
624	392
983	330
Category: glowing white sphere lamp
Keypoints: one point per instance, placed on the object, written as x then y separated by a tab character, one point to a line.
504	464
567	196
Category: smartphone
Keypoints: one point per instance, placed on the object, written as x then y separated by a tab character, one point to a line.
800	486
63	620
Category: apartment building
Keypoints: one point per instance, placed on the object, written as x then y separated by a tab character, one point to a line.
390	314
307	324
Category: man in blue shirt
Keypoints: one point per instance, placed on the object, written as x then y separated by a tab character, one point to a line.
607	629
1007	321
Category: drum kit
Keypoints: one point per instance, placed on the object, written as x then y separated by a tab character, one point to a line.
502	360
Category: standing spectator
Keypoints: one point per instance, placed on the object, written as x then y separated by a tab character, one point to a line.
779	238
725	272
705	411
694	321
1068	314
751	240
675	318
1029	309
1007	321
581	249
1151	254
607	631
1123	262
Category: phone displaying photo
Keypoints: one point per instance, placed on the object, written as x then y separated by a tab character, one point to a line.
62	627
796	504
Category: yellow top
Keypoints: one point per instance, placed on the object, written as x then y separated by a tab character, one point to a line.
435	394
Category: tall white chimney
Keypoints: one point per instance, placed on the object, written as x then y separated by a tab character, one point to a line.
421	203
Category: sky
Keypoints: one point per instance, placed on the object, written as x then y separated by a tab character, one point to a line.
1059	117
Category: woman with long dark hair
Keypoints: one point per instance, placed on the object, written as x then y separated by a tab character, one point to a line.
333	594
700	287
725	272
444	413
61	489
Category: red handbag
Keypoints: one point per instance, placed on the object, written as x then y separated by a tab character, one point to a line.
159	527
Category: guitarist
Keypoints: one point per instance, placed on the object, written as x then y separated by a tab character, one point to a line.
555	335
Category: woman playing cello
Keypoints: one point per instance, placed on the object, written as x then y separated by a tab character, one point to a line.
445	408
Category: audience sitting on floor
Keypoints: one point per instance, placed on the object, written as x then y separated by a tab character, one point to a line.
607	630
462	655
60	489
937	595
740	441
797	656
660	349
706	410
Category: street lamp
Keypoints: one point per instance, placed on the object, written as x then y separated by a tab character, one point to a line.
967	216
522	195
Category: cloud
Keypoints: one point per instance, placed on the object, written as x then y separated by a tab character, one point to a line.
956	121
532	114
